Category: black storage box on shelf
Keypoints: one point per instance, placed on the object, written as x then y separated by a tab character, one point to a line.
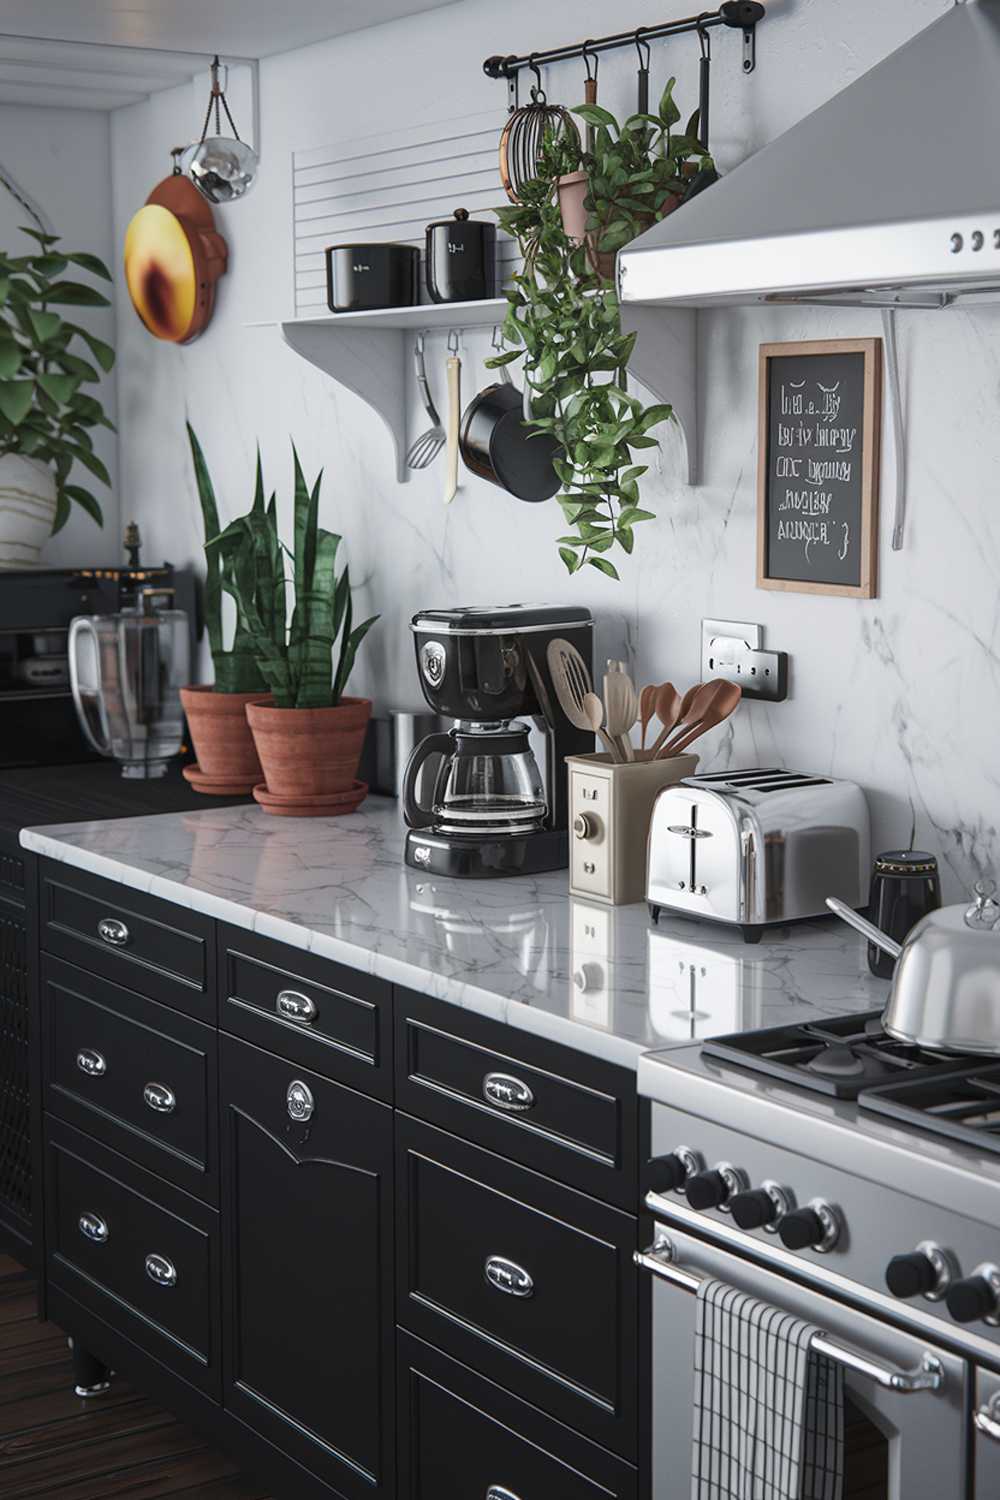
461	259
361	278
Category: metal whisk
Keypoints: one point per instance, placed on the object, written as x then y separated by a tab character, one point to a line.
524	134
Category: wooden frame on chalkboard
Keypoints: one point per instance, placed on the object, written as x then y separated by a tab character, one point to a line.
871	437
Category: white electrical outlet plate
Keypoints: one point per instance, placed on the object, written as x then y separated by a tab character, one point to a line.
732	649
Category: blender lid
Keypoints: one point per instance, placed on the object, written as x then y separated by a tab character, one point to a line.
500	619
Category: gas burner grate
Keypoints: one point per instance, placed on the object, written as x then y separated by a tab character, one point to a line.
841	1057
963	1105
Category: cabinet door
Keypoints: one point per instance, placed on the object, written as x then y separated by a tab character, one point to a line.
307	1204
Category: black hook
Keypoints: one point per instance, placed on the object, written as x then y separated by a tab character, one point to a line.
642	104
537	92
704	37
641	42
589	57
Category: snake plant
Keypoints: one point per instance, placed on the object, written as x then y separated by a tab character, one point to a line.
296	662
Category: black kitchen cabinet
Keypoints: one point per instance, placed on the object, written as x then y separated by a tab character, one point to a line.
307	1244
16	1168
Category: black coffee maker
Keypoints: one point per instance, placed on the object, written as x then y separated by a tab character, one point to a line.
493	810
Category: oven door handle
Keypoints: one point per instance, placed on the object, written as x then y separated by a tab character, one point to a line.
928	1376
987	1419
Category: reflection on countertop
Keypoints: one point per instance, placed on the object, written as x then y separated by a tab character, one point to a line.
520	950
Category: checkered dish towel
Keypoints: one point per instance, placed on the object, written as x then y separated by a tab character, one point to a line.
768	1411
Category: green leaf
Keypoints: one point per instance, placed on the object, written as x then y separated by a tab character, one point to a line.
603	566
62	512
39	235
85	500
44	266
45	324
570	558
10	359
75	294
90	263
593	114
102	352
16	397
89	460
61	388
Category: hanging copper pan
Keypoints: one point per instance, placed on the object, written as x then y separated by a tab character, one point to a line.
174	255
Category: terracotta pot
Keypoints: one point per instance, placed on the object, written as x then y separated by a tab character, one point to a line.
572	189
222	739
310	752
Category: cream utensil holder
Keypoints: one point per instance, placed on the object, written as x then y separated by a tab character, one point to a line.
610	809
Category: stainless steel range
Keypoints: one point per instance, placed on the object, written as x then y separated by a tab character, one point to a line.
853	1181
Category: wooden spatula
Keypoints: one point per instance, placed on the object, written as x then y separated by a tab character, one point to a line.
716	702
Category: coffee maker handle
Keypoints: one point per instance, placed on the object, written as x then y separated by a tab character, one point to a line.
87	696
414	815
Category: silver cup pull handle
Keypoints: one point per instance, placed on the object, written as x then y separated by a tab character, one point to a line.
507	1092
91	1062
507	1276
160	1098
294	1006
93	1227
113	930
161	1270
300	1101
501	1492
987	1419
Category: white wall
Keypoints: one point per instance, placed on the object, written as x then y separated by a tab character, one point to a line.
899	693
61	159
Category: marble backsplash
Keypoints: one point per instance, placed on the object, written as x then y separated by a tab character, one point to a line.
899	693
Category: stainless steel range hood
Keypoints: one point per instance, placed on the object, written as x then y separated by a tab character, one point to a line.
887	196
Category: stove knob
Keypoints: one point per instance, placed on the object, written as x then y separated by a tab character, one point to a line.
753	1210
975	1298
707	1190
668	1174
814	1228
922	1272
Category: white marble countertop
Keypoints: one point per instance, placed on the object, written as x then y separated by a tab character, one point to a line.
519	950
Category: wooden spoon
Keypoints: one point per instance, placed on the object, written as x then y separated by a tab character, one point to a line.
647	708
594	710
716	704
621	708
669	711
693	705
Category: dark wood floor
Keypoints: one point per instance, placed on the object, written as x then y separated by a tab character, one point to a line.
53	1446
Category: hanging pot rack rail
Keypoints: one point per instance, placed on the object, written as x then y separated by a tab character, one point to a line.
736	15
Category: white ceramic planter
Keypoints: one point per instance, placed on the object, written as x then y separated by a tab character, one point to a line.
27	510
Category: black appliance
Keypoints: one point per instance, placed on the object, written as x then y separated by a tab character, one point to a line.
494	809
361	278
905	887
38	723
461	259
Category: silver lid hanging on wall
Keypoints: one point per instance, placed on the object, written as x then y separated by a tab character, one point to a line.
222	167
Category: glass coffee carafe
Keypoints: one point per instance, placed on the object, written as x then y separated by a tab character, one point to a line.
488	781
126	672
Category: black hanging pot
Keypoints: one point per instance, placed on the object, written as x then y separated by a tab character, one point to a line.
498	444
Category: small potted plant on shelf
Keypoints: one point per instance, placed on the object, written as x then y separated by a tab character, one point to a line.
309	734
216	712
46	416
564	317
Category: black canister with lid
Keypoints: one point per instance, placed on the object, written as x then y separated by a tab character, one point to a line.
461	259
905	887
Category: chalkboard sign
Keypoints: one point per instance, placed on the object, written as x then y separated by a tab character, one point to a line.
818	465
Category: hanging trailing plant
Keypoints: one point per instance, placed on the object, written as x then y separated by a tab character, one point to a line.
564	318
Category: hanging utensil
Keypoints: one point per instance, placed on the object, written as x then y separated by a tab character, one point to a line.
590	89
454	368
717	700
428	444
524	134
706	175
642	77
670	708
499	444
571	679
594	711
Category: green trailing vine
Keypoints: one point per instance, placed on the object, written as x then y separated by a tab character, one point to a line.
564	317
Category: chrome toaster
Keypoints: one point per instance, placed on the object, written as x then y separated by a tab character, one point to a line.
757	848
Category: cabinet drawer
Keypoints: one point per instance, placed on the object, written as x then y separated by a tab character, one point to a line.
140	1077
529	1282
561	1112
135	1251
307	1009
162	950
462	1436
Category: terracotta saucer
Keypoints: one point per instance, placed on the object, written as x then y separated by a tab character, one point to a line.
327	805
211	786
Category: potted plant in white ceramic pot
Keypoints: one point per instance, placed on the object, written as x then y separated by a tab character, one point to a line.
309	735
216	712
46	414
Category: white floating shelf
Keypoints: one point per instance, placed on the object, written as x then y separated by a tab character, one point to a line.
371	354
